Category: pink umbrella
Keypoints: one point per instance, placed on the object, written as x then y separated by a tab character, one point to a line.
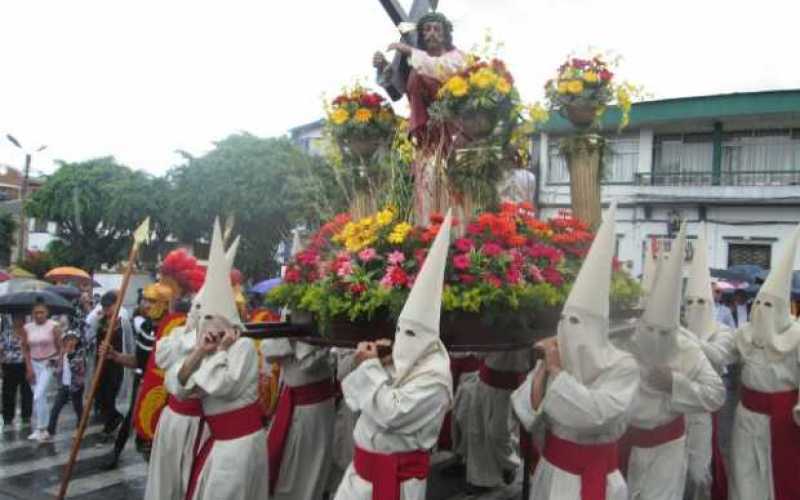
725	285
4	276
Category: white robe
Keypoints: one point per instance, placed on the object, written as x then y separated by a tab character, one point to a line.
236	469
491	435
439	67
345	420
659	473
393	419
462	406
751	459
307	454
173	446
719	349
581	414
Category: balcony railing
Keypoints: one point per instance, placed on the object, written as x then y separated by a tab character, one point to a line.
742	178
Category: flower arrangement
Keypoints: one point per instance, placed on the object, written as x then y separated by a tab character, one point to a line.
480	96
583	88
507	263
358	117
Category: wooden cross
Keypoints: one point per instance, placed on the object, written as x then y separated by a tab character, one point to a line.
396	87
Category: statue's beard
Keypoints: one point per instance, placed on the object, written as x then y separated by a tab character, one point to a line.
434	42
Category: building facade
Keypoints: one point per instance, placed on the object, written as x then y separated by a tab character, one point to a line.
731	161
39	232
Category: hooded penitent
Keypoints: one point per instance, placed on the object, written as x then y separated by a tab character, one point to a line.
699	299
649	269
583	341
217	298
417	334
657	330
771	325
194	310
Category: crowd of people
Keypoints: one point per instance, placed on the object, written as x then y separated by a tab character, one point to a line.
595	415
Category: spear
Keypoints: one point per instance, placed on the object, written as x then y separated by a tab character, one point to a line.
139	236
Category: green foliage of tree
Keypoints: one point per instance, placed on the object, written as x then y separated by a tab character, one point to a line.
267	185
8	230
96	205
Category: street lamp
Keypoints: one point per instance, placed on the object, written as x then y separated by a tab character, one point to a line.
23	193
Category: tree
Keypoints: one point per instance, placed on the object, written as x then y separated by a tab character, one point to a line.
267	185
8	229
96	205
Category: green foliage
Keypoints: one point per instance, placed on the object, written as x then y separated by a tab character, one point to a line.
96	205
267	185
8	229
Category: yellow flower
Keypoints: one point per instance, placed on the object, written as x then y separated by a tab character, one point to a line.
384	217
483	78
575	87
590	77
339	116
503	86
399	233
457	86
362	115
563	87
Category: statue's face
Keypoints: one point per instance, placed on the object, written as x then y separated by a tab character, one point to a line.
433	35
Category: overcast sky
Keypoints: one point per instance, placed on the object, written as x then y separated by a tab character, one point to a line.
140	79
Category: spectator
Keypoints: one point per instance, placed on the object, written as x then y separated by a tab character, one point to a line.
740	309
42	352
13	367
70	372
722	312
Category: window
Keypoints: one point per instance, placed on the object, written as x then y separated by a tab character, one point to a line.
686	158
745	253
620	161
761	157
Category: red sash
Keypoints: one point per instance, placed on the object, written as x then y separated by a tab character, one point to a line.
636	437
719	484
302	395
592	462
458	367
507	381
784	438
191	407
225	426
387	470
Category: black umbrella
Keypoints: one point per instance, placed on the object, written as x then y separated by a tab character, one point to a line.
69	292
23	302
733	276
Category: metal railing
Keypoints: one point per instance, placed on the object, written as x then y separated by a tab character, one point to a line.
742	178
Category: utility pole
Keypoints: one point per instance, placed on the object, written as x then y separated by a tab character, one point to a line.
23	195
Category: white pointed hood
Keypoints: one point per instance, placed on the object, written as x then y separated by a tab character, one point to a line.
198	307
649	270
657	330
417	335
700	308
771	324
583	341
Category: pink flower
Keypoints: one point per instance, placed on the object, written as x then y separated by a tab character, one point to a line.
345	269
536	274
461	262
513	275
552	276
396	258
307	258
493	280
367	254
491	249
464	244
474	228
419	255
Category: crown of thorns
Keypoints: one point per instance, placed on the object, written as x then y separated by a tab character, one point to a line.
437	17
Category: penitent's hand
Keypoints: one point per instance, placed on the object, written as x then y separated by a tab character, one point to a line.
365	351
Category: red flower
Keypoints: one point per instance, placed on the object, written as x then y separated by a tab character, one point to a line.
493	280
341	100
436	218
430	234
474	229
606	75
616	265
466	279
552	276
371	100
397	276
307	257
464	244
491	250
358	288
513	275
292	275
419	255
516	240
461	262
